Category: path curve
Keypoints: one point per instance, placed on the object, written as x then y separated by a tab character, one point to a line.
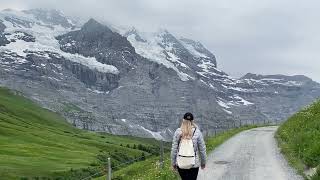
250	155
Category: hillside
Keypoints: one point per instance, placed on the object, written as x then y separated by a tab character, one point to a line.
299	139
35	142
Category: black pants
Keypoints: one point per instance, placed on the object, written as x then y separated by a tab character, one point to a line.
188	174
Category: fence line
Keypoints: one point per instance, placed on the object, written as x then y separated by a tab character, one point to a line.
92	175
133	160
108	168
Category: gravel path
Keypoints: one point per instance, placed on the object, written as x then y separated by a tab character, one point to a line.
250	155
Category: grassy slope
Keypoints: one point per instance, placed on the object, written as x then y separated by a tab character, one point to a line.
299	139
149	169
35	142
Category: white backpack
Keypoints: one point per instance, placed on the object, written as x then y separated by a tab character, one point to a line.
186	154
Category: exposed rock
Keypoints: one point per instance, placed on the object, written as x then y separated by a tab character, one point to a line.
96	40
3	39
16	22
19	35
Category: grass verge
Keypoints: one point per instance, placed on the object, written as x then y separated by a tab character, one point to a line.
299	140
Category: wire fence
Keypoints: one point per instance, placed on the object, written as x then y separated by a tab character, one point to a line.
206	131
133	160
93	175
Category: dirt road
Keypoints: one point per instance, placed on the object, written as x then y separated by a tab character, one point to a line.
250	155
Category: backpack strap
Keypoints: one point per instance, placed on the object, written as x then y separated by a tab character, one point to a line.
194	131
195	152
179	141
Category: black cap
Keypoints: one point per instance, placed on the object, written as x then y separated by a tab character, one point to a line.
188	116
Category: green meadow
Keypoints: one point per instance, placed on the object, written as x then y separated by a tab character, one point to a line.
36	143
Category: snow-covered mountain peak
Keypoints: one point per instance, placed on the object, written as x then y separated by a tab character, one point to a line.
134	32
48	17
93	27
198	49
156	47
52	17
187	57
25	34
162	32
283	80
13	12
93	24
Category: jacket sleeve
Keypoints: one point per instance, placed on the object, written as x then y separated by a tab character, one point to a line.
174	148
202	149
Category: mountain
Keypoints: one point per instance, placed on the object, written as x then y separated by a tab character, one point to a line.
130	82
280	96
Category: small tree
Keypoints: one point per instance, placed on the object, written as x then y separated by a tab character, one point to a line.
143	157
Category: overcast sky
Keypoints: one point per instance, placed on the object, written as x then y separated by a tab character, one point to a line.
257	36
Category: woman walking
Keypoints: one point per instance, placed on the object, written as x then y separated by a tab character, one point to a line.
188	151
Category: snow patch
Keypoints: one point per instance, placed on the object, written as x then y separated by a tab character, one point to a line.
206	66
46	41
55	79
192	50
243	101
239	88
283	82
154	52
270	79
294	83
229	112
97	91
223	104
156	135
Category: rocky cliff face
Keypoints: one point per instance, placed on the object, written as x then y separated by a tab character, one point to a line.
134	83
3	39
279	96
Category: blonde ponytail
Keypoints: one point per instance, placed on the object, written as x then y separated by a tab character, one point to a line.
186	128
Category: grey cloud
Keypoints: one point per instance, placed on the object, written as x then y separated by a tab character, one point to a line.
267	36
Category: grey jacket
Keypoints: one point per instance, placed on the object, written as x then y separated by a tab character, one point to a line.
198	144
